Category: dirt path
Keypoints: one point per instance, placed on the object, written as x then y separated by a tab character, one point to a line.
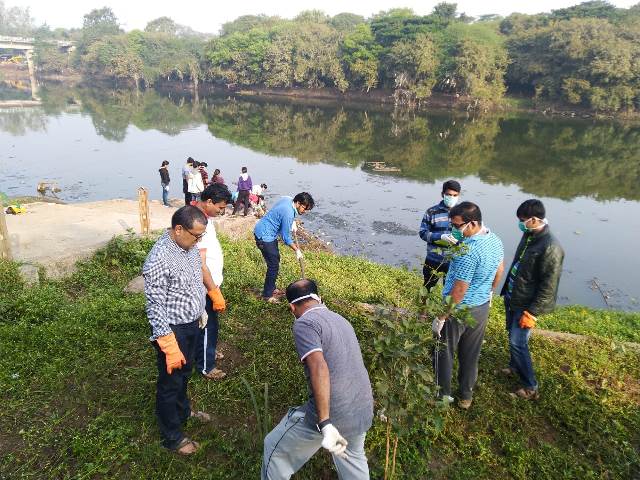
56	236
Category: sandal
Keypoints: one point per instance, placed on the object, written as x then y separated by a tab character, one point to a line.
186	446
526	394
215	374
202	416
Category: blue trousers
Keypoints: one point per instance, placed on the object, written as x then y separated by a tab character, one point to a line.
207	341
519	348
271	256
165	194
172	405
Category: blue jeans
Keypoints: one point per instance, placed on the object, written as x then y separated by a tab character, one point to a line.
165	194
207	341
172	405
271	256
292	443
519	348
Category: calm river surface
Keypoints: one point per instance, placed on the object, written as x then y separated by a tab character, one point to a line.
100	144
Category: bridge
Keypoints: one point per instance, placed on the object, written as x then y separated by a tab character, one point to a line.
27	45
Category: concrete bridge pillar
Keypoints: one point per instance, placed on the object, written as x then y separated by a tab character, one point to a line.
32	75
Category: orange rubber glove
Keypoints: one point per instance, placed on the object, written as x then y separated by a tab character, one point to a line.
527	320
219	305
174	357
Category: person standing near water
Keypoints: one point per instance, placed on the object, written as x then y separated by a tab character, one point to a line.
212	203
470	282
195	185
435	229
531	289
164	182
175	301
186	171
244	189
279	221
217	178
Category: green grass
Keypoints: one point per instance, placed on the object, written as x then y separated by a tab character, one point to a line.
77	382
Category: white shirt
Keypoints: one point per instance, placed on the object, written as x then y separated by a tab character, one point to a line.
214	256
256	190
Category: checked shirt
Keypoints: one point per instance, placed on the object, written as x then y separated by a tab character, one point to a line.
172	285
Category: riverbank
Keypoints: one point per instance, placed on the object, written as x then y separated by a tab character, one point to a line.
77	380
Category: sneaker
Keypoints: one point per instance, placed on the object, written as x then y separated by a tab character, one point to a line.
526	394
464	404
215	374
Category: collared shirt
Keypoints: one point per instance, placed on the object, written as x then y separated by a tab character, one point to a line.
435	223
172	285
477	268
277	221
351	401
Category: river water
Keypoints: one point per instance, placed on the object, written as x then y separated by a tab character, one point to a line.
373	172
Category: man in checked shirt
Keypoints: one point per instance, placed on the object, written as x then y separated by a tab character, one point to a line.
175	302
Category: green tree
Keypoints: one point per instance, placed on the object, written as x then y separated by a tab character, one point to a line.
97	24
16	21
346	22
361	55
163	25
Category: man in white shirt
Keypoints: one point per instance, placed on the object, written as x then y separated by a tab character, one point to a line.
213	201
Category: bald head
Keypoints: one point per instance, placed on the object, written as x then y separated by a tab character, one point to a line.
302	295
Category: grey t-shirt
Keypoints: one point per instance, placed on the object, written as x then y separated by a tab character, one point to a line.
351	401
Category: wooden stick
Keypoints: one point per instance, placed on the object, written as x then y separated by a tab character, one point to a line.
300	261
143	207
5	245
604	297
386	461
395	450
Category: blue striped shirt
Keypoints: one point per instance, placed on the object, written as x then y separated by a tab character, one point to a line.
477	267
435	223
277	221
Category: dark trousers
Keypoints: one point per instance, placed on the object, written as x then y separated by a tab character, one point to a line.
243	199
185	190
520	359
172	404
430	272
271	256
207	341
468	342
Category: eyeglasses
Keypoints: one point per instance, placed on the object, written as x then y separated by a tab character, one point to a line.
197	237
459	226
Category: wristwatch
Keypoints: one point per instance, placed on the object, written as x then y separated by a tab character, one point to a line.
323	424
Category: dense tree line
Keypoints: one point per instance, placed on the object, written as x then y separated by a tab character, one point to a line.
586	55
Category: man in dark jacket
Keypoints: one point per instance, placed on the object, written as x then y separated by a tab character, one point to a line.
530	290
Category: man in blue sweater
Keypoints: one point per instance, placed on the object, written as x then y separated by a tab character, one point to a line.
279	221
435	229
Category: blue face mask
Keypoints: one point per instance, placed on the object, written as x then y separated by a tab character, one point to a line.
523	228
458	233
449	200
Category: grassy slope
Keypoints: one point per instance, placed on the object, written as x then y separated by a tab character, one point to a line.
77	383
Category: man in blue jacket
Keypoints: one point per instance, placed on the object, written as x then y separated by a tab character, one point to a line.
279	221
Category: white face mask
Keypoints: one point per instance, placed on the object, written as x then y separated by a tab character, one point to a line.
450	201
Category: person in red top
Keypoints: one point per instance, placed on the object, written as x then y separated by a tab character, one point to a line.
203	173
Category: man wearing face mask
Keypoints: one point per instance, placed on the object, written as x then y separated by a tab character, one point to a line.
531	289
470	281
435	229
175	301
339	411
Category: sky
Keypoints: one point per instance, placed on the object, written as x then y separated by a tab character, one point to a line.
207	15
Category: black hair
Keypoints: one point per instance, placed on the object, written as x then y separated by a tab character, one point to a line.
300	288
468	211
216	172
190	160
305	199
165	162
263	185
203	164
531	208
216	192
244	169
195	164
451	185
187	216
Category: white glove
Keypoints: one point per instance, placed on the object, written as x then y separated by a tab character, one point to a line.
436	326
166	188
333	441
447	237
204	318
299	255
294	226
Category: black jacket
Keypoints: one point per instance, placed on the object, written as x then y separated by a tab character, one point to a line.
164	176
535	287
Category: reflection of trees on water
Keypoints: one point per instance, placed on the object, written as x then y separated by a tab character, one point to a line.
19	121
556	158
